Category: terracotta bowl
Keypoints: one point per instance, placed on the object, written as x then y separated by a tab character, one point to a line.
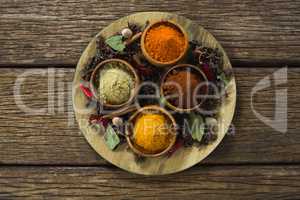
130	134
184	67
172	62
95	78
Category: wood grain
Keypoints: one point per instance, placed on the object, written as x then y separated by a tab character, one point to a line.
213	182
34	32
53	139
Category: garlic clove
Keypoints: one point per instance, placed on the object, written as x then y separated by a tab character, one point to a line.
126	33
117	121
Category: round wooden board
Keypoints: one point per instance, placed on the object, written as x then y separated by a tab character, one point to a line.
124	158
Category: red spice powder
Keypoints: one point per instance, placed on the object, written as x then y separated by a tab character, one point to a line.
179	88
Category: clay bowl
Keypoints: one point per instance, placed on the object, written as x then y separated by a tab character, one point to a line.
95	77
156	62
184	67
130	134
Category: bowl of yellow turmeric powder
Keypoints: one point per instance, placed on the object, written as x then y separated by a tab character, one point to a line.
151	131
164	43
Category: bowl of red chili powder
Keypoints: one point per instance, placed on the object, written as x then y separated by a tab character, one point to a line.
184	87
164	43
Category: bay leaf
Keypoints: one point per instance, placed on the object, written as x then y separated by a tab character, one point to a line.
196	126
111	138
223	78
116	43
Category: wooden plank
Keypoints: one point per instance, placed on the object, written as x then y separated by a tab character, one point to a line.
211	182
35	32
54	138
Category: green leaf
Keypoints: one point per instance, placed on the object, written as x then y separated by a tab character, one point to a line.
116	43
223	78
111	138
196	126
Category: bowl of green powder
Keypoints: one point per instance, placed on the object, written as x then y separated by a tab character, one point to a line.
114	83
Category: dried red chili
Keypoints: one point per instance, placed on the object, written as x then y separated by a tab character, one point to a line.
100	120
86	91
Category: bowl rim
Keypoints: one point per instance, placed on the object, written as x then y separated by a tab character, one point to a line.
156	62
129	131
178	109
131	69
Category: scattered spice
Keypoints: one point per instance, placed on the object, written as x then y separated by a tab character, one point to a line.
134	38
209	137
208	71
103	52
134	27
211	62
100	120
211	124
179	143
148	95
164	43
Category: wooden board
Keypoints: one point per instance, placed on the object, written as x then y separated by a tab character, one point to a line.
124	158
258	35
47	33
213	182
39	139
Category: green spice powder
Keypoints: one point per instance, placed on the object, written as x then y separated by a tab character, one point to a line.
115	84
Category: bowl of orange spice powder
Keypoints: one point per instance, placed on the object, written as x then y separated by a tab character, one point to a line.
164	43
151	131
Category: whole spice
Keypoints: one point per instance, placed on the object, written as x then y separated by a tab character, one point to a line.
164	43
103	52
99	120
208	71
209	137
133	39
177	145
211	124
87	92
152	133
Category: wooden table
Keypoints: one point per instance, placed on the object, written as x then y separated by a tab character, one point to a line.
44	156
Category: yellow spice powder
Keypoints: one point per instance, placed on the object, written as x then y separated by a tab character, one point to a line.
151	133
